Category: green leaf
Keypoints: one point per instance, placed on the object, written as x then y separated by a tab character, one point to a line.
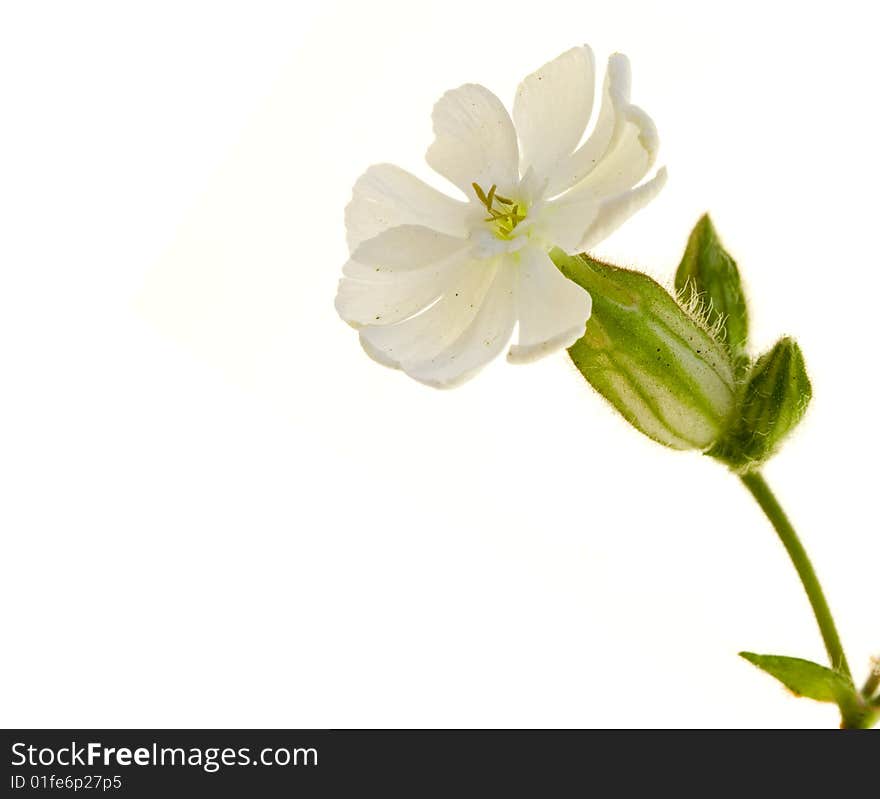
803	677
707	278
771	403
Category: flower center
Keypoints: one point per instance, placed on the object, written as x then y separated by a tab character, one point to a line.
504	214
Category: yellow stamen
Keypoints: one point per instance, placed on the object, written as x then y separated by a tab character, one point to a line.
505	218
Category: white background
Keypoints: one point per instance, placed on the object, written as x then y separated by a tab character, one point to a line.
216	511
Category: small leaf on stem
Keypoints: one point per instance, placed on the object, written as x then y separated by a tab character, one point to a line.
803	677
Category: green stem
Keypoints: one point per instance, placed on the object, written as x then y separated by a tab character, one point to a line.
773	510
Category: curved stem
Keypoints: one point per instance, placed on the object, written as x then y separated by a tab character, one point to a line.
773	510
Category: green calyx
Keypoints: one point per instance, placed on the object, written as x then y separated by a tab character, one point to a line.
649	358
677	367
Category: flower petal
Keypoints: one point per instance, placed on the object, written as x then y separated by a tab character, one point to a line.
622	130
563	222
425	335
614	211
629	158
454	338
481	341
407	247
475	141
370	297
552	310
386	196
552	108
397	274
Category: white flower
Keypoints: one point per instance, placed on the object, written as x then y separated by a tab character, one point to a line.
434	285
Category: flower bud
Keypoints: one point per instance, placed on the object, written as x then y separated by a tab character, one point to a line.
773	401
649	358
708	278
